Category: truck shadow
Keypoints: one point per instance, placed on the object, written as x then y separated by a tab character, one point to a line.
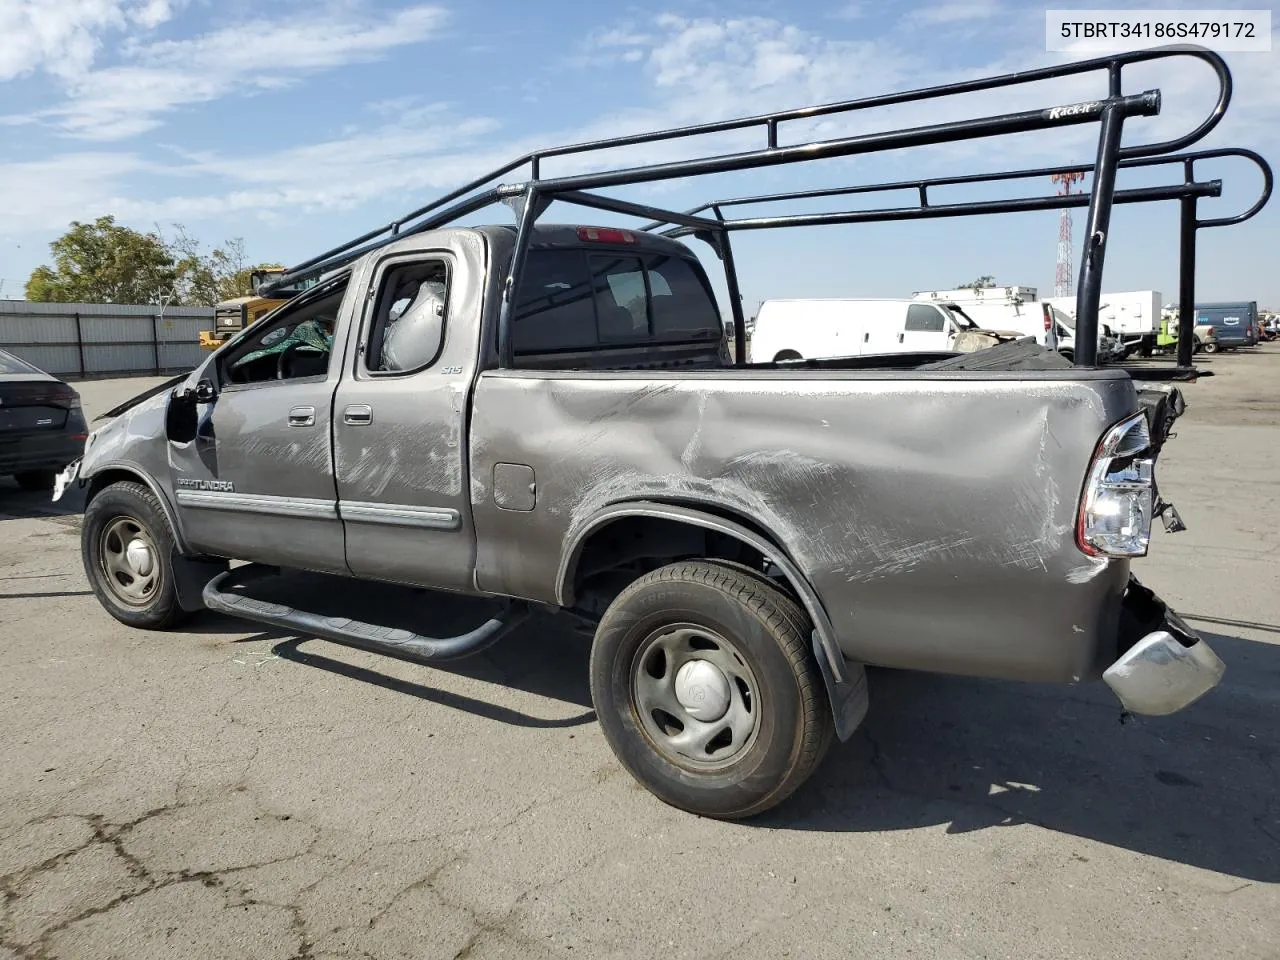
516	667
545	657
19	504
1197	788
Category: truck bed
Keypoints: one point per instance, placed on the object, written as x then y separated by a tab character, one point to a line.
913	499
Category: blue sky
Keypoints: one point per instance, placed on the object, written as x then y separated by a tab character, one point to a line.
296	125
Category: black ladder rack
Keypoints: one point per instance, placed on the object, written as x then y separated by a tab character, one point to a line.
533	195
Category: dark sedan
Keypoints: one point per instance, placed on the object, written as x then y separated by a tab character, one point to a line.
42	428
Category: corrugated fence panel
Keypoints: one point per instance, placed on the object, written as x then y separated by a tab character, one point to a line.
119	330
62	359
102	358
27	329
94	339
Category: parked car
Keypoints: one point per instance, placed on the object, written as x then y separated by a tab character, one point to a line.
1204	335
546	416
1236	323
42	428
808	329
607	473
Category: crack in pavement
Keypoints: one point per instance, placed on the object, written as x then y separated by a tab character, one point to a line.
113	837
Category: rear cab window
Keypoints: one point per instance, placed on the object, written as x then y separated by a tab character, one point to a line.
12	366
594	308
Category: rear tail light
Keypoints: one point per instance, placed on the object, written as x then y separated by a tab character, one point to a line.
64	396
1117	505
58	395
1050	327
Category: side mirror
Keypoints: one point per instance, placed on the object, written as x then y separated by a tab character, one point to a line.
180	419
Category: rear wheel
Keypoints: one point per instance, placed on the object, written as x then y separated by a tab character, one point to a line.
706	689
1210	346
126	546
786	355
36	479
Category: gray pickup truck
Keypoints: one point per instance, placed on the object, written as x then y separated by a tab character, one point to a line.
549	415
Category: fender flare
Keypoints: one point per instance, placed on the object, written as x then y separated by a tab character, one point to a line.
145	478
845	681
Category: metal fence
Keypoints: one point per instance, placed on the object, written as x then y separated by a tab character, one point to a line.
83	340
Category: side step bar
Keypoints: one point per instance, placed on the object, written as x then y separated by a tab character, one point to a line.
391	641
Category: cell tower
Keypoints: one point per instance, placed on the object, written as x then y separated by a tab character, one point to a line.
1062	285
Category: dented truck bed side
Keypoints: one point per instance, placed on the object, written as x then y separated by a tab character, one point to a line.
934	516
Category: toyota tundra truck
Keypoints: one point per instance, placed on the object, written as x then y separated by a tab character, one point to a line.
549	415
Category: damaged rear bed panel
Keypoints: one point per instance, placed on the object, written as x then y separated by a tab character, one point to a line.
905	498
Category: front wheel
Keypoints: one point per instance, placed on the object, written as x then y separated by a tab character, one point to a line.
126	546
707	691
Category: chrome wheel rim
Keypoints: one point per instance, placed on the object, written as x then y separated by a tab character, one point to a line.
130	561
696	698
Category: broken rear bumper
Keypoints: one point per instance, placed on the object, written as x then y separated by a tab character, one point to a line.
1164	665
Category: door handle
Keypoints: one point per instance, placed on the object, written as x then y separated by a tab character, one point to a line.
302	416
866	338
900	336
358	414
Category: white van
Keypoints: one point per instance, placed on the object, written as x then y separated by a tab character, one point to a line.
823	329
1050	325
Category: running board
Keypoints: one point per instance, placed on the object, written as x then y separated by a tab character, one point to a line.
392	641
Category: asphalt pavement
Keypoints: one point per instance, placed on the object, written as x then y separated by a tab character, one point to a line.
225	792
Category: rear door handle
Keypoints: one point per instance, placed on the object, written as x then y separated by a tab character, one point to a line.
302	416
900	336
358	414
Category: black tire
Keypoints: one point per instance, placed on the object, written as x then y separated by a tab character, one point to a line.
800	623
786	355
768	634
131	504
36	480
1068	354
1209	346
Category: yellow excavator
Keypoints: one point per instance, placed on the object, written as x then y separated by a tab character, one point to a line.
232	316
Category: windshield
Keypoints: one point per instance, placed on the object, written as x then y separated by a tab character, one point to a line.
959	317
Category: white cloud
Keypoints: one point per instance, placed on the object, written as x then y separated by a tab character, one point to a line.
63	37
617	37
409	149
957	12
131	97
49	194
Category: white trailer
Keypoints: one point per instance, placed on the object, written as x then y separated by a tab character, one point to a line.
1134	316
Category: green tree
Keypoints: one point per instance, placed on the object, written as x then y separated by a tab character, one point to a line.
205	279
103	262
986	280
